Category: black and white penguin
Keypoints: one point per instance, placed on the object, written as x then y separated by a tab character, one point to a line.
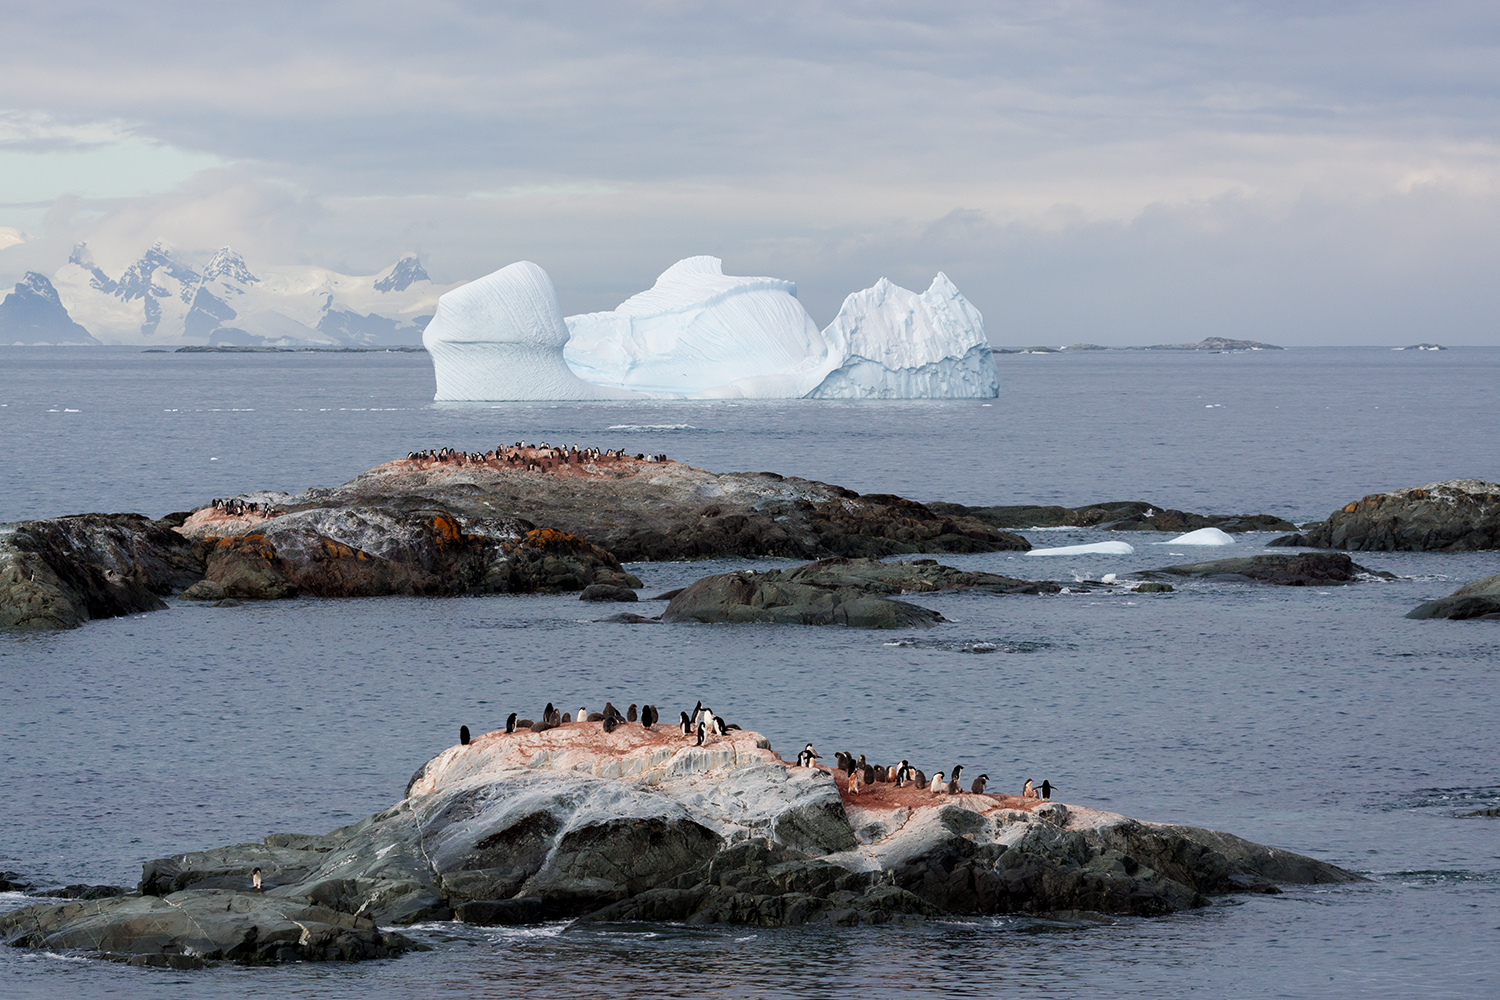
716	724
696	709
547	714
701	731
583	714
609	709
978	786
610	723
687	725
903	772
938	786
1028	790
463	736
953	786
510	723
1046	789
630	713
807	756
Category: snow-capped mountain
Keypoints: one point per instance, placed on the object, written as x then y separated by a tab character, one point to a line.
33	315
171	298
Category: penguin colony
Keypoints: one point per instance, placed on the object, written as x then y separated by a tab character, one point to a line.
541	457
861	775
702	724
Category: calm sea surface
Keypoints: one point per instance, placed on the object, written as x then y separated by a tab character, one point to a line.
1319	720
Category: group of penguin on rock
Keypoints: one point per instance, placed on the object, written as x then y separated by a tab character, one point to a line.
702	722
862	775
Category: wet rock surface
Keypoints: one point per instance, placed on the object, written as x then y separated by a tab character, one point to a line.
1114	515
1312	569
639	824
1480	599
835	591
1459	515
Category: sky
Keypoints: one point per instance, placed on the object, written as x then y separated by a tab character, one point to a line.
1085	172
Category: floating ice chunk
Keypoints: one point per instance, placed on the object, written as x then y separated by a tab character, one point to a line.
1203	536
502	337
701	333
896	344
1092	549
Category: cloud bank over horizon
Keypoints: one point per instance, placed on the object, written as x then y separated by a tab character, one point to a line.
1083	171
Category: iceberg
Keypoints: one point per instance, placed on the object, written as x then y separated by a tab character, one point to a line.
699	333
703	334
896	344
502	337
1092	549
1203	536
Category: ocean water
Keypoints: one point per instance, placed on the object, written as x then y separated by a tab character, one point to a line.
1315	719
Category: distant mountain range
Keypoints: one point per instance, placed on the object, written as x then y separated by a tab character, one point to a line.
168	298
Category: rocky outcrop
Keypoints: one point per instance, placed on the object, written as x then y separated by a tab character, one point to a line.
64	571
835	592
1480	599
639	824
1312	569
1116	515
1460	515
659	510
192	929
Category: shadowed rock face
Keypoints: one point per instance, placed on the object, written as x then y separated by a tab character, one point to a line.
1116	515
640	824
1312	569
1480	599
835	592
1460	515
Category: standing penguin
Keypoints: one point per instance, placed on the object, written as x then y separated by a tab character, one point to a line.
1046	789
701	730
807	756
687	725
856	780
903	773
648	716
510	723
463	736
919	777
716	723
630	713
938	786
1028	791
978	787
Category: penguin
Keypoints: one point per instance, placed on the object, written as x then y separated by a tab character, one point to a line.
1046	789
609	709
954	788
696	709
610	723
882	773
1028	791
583	714
510	723
856	779
463	736
890	775
547	713
868	774
595	717
630	713
953	776
716	723
655	716
903	773
861	764
542	726
523	723
978	787
700	734
807	756
255	882
687	726
567	718
919	777
849	763
938	786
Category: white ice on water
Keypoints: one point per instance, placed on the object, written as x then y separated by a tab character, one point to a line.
699	333
502	337
1203	536
1091	549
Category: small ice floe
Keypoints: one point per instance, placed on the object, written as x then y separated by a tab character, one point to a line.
1107	578
1203	536
1092	549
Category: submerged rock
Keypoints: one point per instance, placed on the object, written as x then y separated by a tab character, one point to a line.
1460	515
1480	599
1312	569
1114	515
835	592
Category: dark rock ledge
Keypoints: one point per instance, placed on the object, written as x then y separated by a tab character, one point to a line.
634	824
1460	515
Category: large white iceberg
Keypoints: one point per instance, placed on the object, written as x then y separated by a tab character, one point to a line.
502	337
897	344
701	333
